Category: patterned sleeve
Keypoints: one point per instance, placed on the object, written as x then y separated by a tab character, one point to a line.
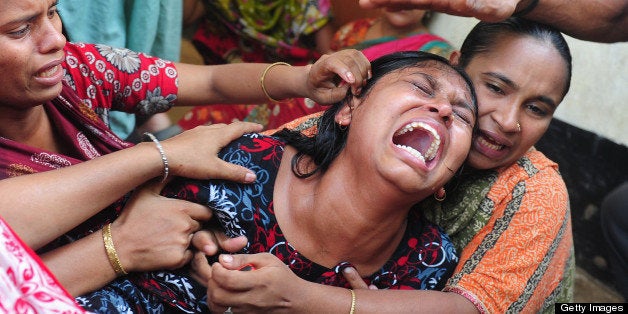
120	79
522	259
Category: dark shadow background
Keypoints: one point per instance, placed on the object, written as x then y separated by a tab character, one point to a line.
591	167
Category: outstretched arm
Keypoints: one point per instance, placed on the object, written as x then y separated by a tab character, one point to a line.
42	206
153	232
592	20
273	288
326	81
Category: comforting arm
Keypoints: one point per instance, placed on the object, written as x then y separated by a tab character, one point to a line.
592	20
326	81
280	290
53	207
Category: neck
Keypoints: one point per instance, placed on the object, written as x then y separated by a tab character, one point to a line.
28	126
336	217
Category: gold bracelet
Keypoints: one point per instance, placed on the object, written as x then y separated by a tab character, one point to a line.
261	79
111	251
352	311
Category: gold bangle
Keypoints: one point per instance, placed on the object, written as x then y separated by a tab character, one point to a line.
352	311
261	79
111	251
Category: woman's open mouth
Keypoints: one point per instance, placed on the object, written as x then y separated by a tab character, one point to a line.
419	139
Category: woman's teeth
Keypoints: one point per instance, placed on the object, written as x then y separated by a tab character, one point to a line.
484	142
430	153
48	73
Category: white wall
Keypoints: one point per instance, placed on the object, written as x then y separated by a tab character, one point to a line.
598	98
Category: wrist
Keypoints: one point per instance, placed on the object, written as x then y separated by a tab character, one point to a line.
153	166
112	253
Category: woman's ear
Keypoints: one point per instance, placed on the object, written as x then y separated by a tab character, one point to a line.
454	57
343	116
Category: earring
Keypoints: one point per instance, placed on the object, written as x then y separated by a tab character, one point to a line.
342	127
440	195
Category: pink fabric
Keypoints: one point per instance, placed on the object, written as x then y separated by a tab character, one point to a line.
26	285
403	44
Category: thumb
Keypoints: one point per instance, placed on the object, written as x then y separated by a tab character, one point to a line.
354	279
258	260
232	261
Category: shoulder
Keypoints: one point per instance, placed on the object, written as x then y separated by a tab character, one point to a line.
536	172
102	58
254	149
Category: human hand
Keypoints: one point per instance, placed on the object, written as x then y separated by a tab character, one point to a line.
333	74
194	153
353	277
209	243
271	287
486	10
155	232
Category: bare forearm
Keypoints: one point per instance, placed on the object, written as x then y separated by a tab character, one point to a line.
327	299
81	266
238	83
593	20
61	199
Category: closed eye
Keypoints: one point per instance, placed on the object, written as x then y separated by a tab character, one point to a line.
495	89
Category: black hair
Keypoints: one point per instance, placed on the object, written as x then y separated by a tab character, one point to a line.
486	34
330	139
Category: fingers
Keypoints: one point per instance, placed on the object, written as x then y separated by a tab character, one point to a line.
231	245
196	211
231	172
259	260
201	271
193	153
352	67
333	74
234	130
359	71
211	242
229	133
205	242
354	279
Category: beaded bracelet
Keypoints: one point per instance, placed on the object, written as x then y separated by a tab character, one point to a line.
164	159
261	79
111	251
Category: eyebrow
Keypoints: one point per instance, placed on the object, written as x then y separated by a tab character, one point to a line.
513	85
32	17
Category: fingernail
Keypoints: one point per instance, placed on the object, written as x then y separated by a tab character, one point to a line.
350	77
226	258
207	249
249	177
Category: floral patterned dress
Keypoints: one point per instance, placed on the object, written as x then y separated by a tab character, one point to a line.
423	259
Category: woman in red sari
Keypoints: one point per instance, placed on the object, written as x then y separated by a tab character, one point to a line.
26	284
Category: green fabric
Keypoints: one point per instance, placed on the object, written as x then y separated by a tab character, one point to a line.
272	22
465	210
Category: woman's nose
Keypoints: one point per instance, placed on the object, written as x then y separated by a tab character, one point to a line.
508	120
51	37
444	110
